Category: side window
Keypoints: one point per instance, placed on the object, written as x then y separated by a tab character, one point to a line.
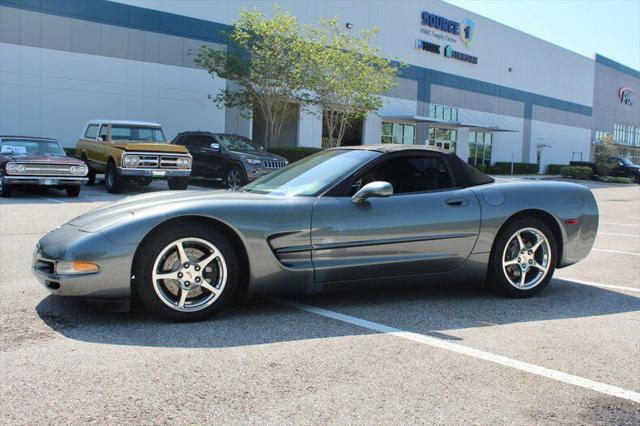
92	131
104	131
182	140
408	175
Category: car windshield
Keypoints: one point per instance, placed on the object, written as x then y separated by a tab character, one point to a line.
312	175
237	143
30	147
137	133
625	161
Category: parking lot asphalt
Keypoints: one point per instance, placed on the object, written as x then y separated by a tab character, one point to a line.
437	354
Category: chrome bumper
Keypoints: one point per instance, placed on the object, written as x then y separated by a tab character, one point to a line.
154	173
43	180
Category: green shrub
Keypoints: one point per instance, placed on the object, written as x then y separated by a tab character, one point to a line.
576	172
481	167
293	153
604	167
554	169
614	179
504	168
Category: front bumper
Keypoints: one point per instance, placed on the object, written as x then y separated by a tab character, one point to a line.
113	280
154	173
43	180
254	173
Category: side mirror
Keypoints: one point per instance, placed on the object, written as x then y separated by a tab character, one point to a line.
373	189
102	138
215	146
620	163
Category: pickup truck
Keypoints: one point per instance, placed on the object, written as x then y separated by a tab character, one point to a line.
623	167
132	151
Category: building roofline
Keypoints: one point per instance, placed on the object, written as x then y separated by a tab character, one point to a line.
600	59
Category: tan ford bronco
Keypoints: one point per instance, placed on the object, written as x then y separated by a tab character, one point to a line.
132	151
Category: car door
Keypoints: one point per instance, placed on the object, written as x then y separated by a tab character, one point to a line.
212	156
407	233
190	142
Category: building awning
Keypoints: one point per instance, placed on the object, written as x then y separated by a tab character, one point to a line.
477	126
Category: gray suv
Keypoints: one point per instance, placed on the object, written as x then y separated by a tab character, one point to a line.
228	158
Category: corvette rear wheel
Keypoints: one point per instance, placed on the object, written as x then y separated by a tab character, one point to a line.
523	259
187	273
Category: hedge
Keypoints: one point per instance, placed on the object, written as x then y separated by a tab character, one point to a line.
293	153
554	169
504	168
614	179
576	172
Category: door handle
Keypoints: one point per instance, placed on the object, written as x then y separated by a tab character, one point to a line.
457	202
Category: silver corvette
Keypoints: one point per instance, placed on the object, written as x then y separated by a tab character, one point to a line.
349	216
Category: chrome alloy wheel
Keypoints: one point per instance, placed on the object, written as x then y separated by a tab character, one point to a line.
189	274
526	258
234	179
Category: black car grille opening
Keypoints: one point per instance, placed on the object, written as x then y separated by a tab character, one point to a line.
273	164
45	266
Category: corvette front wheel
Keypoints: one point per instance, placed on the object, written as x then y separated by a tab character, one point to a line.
523	258
186	273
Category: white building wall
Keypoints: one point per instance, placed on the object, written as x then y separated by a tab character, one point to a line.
565	143
310	129
53	93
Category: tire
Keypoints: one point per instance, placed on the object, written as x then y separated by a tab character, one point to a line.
159	252
145	181
112	181
235	177
73	190
91	174
507	280
178	183
5	189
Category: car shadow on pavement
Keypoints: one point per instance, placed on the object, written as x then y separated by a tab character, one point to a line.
430	310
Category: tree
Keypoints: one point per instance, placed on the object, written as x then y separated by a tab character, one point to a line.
345	75
603	155
264	60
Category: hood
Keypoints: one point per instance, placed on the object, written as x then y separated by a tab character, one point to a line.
43	159
264	156
157	203
144	146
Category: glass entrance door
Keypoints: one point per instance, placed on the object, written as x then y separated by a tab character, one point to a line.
440	137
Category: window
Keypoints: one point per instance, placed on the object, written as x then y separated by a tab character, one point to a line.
407	174
441	112
446	139
104	131
479	148
92	132
398	133
30	147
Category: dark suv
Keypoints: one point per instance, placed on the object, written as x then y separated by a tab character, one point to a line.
232	159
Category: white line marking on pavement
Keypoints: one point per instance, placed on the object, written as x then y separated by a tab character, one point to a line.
618	235
617	251
593	284
619	224
51	199
464	350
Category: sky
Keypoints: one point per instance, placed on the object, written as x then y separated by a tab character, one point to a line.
608	27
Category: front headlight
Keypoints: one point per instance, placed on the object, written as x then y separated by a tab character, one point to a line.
16	169
253	161
81	170
130	161
183	162
76	268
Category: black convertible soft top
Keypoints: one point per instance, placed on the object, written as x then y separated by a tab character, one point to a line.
465	174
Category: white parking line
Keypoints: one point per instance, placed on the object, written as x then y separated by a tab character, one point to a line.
51	199
619	224
594	284
631	253
465	350
618	235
